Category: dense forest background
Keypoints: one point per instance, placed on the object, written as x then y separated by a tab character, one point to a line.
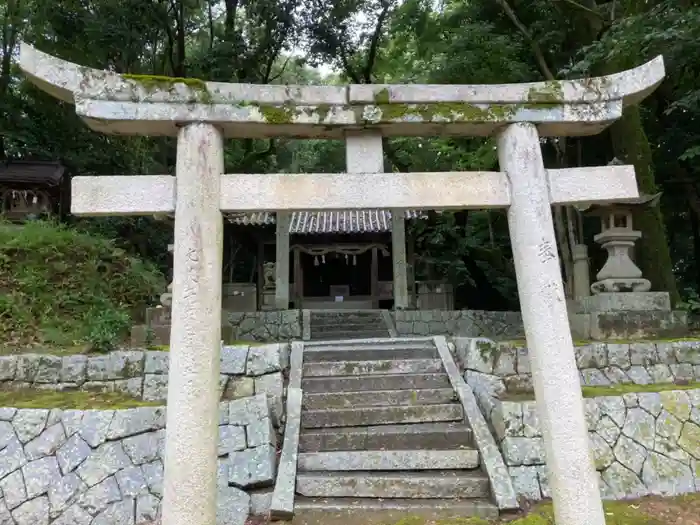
385	41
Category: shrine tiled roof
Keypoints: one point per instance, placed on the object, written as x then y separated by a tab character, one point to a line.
31	172
317	222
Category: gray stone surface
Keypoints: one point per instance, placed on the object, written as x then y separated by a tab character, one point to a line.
253	467
33	512
12	457
95	425
103	462
642	443
13	489
389	460
63	493
105	467
232	506
46	443
29	423
260	503
283	325
245	370
231	439
266	359
72	453
233	359
463	323
135	421
39	475
600	363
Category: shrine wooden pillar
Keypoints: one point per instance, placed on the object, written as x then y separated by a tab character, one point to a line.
374	270
411	269
298	278
259	263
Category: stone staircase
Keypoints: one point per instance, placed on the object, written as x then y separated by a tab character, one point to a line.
383	437
347	324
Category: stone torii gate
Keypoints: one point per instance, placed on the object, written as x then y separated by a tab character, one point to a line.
202	114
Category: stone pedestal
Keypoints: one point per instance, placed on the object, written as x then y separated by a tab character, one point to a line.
282	261
626	302
582	279
627	315
398	254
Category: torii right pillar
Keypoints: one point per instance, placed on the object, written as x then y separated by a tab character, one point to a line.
545	318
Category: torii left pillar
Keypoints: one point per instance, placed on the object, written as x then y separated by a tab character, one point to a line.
195	340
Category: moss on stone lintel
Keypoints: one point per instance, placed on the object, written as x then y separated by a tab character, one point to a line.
550	95
159	82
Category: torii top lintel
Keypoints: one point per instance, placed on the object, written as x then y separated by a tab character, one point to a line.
143	105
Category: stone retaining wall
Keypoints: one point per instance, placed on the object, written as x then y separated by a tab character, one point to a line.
279	325
465	323
71	467
599	363
245	371
642	443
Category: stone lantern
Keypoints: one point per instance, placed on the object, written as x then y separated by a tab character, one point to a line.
622	307
617	236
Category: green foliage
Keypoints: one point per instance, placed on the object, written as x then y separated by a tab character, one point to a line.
373	41
67	288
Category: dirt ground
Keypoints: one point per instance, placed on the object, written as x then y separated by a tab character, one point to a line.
684	510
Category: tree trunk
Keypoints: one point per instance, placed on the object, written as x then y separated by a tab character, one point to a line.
630	144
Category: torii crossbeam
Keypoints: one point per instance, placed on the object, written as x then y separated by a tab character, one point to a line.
201	114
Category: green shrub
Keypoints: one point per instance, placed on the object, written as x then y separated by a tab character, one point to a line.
61	287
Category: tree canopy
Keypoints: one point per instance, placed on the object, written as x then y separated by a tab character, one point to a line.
386	41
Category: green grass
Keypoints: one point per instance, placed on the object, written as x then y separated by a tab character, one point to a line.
75	399
648	511
600	391
581	342
60	288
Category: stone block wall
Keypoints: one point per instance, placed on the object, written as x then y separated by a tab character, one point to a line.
278	325
600	364
642	443
105	467
244	371
465	323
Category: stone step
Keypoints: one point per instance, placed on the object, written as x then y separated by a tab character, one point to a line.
346	314
348	327
433	396
379	366
365	416
375	382
370	344
367	460
350	321
381	341
358	334
415	436
452	484
368	354
370	511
